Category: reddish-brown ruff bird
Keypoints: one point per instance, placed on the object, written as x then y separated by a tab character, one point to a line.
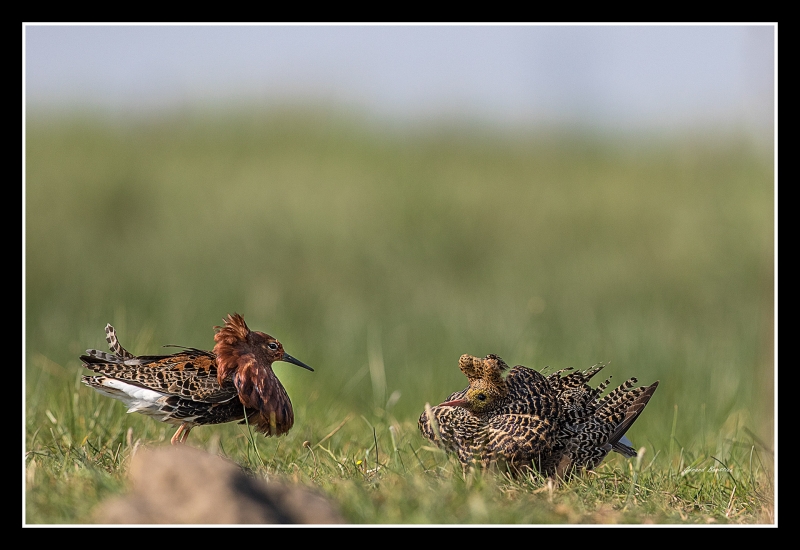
195	387
553	424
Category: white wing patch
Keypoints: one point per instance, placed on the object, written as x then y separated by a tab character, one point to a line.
136	398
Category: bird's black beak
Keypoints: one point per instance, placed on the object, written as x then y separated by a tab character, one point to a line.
289	359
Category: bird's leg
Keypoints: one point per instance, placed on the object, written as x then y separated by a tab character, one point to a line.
183	430
175	437
563	467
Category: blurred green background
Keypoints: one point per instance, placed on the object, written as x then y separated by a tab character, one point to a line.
379	256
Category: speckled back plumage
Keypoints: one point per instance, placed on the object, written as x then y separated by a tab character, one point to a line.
553	424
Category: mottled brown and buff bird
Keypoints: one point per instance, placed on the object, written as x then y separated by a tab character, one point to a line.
195	387
518	418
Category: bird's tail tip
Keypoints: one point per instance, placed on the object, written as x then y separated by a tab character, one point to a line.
114	345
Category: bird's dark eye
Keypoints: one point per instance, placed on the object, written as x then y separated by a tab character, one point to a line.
481	396
272	346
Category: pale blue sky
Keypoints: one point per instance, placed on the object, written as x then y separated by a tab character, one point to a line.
640	76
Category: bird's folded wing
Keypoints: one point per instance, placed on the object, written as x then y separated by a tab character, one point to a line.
188	375
519	436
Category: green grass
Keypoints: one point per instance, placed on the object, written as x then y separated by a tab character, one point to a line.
379	257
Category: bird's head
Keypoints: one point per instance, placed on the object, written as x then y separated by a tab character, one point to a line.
487	387
481	397
237	347
269	350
